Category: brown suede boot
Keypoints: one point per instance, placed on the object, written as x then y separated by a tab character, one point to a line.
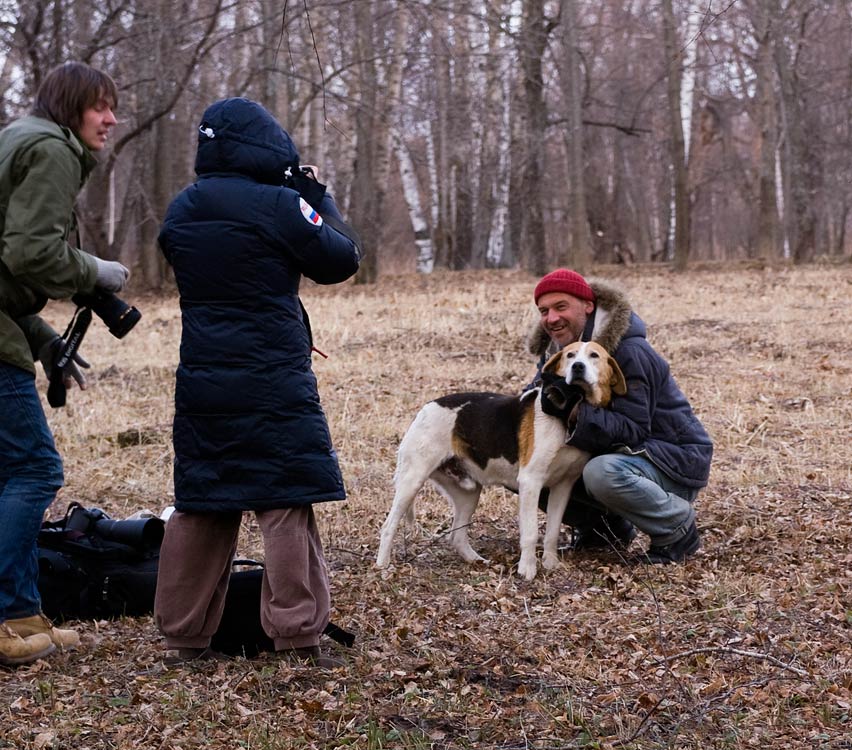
39	624
15	650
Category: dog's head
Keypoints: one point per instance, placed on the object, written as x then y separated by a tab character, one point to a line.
588	365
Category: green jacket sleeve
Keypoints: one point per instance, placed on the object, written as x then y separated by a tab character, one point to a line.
34	246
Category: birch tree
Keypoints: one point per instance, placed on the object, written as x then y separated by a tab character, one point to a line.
425	255
768	191
678	156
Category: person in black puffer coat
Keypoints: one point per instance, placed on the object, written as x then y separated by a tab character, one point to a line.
249	431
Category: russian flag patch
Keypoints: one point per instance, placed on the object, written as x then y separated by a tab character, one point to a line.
310	215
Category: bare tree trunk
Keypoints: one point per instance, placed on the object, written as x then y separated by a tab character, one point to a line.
499	254
425	256
766	246
804	164
374	131
444	229
483	167
362	208
680	175
387	113
578	254
533	40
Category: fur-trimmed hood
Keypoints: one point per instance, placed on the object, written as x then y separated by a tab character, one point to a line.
611	320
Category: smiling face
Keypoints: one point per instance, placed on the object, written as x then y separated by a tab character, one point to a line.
96	123
563	316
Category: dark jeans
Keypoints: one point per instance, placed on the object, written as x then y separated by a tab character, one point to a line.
30	475
632	488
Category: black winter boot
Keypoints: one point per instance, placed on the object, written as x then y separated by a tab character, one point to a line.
608	530
313	656
675	552
187	655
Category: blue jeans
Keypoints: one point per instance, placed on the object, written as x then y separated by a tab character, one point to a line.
30	475
636	489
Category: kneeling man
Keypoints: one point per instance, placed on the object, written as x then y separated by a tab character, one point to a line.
651	454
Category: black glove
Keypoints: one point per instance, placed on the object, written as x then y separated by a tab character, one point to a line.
301	180
558	398
50	351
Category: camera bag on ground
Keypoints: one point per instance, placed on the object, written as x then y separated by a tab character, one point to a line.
93	567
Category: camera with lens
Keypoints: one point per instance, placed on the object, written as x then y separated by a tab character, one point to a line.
115	312
304	182
139	533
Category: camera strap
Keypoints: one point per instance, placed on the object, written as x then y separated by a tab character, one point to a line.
73	335
71	340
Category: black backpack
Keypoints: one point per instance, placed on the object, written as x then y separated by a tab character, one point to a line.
93	567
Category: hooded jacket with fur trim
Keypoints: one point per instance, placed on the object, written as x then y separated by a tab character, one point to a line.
654	419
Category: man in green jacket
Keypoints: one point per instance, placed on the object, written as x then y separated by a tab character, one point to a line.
44	160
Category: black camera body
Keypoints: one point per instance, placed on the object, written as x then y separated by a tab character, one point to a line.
304	182
139	533
115	312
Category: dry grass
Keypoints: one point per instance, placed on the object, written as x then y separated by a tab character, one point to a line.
746	646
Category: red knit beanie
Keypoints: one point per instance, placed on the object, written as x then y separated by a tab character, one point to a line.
568	282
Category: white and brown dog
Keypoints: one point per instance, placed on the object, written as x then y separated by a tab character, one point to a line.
465	441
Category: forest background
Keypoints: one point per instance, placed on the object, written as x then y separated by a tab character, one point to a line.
484	143
469	134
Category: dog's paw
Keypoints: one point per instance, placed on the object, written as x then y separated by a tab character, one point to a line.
527	569
387	573
550	561
469	555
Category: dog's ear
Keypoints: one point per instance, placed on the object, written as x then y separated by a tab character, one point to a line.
552	365
616	380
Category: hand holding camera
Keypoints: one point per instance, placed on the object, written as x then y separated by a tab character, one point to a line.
112	276
116	313
49	354
59	357
303	180
310	171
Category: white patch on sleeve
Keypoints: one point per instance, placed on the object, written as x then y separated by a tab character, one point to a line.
311	216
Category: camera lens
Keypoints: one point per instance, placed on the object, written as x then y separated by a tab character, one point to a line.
115	312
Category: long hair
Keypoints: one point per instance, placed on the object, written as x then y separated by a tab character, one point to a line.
69	90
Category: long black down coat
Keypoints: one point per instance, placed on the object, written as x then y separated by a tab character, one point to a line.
249	431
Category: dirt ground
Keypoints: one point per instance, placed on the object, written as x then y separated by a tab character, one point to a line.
747	645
